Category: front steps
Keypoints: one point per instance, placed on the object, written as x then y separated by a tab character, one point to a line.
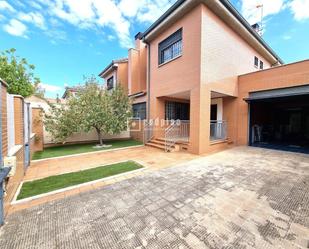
159	143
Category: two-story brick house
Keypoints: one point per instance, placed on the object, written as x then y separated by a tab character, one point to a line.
197	53
130	73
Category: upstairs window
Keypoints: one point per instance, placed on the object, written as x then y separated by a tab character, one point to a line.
261	65
171	47
110	83
256	61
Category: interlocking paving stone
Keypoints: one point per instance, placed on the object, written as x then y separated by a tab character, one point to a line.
240	198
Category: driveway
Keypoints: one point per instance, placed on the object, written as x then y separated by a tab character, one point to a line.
240	198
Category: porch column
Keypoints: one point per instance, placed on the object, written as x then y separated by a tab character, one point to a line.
157	112
200	100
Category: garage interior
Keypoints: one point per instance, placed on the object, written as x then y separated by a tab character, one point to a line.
280	121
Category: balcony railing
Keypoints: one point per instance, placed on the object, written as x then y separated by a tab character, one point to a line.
218	130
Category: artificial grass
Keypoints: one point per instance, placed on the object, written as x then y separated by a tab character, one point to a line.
53	183
81	148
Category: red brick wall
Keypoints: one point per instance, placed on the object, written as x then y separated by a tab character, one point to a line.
14	181
19	119
37	128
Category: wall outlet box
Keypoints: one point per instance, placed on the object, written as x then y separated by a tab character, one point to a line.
10	161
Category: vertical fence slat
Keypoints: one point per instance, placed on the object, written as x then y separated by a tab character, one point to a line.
10	121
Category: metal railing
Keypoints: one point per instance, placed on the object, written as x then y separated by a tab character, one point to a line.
218	130
148	131
178	130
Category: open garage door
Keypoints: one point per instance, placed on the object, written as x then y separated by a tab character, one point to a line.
279	119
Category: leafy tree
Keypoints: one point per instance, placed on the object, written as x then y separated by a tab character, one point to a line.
38	90
92	108
17	73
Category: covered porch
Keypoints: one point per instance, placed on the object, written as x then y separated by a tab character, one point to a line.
172	127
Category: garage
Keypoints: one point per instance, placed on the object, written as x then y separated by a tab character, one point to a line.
279	119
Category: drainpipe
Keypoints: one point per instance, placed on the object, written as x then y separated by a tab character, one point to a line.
148	81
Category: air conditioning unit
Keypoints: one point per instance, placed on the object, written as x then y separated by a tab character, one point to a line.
10	161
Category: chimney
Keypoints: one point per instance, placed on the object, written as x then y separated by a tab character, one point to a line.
256	27
138	41
138	36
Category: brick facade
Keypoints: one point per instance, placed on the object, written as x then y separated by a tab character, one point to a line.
14	181
37	128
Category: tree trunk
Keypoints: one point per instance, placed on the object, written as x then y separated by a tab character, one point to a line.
99	136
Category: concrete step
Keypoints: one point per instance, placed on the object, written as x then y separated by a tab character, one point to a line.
161	145
178	142
155	145
156	141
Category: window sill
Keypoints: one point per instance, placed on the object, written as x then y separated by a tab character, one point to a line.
164	63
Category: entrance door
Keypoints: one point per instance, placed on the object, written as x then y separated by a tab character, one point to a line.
213	112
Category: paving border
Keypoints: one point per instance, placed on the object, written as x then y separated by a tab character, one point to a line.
15	201
87	153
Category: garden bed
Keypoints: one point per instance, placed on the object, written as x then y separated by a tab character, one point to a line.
66	150
53	183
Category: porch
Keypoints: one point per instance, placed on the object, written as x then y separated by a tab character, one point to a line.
171	130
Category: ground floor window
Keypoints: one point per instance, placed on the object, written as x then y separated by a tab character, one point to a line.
177	110
139	110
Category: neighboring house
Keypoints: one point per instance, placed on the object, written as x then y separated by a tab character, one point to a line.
70	92
205	63
116	73
130	73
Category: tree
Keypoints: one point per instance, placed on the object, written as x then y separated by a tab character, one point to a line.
17	73
38	91
92	108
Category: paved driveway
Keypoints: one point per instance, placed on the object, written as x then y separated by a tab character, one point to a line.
240	198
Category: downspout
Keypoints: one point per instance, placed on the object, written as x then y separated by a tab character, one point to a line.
148	81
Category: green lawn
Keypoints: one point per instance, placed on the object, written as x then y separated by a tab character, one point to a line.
80	148
52	183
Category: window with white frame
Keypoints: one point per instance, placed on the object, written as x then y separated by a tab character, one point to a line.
261	65
171	47
256	61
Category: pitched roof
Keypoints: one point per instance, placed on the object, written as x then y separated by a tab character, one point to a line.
228	6
73	89
112	64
